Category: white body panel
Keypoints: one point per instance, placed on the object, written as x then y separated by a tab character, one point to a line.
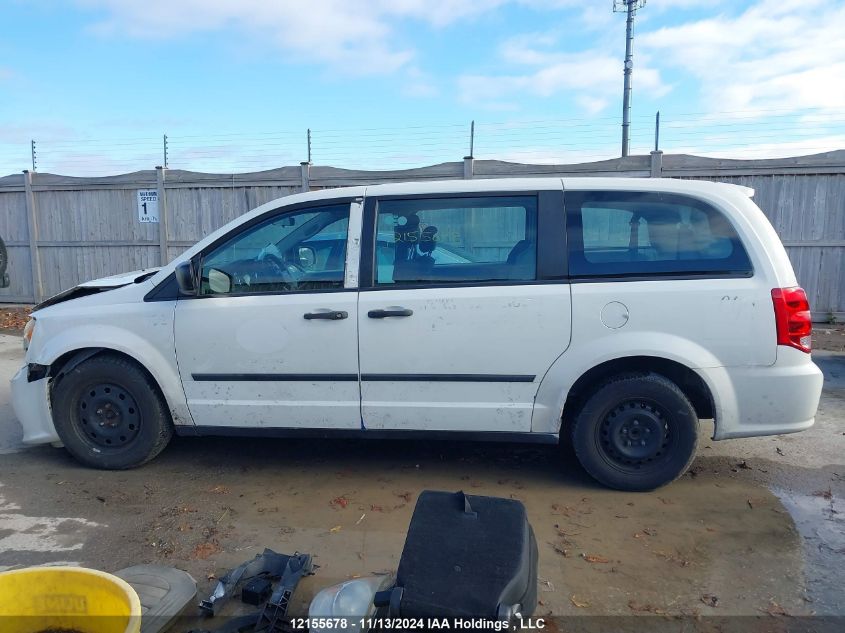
268	335
494	342
723	329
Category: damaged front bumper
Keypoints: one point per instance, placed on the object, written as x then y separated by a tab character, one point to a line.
31	404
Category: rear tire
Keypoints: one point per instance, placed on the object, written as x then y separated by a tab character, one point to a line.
109	413
636	433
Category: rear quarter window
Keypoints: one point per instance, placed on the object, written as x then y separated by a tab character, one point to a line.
619	234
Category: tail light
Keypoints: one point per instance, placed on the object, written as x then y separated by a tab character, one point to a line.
792	317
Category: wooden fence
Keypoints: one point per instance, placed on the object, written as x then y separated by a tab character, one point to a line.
61	230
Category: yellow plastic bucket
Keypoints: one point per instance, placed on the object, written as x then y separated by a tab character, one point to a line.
67	598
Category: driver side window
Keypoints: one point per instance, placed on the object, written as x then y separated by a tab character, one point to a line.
294	251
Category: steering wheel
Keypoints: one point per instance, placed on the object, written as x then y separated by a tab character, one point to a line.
290	272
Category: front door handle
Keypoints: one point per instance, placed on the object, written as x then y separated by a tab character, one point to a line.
390	312
329	315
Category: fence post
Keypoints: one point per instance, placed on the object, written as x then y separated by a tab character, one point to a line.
657	131
32	227
305	166
162	215
309	145
657	164
469	167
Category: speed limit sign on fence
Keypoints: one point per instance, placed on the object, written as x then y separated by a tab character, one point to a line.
147	205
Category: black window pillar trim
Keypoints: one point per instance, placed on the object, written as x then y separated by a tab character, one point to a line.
552	260
367	254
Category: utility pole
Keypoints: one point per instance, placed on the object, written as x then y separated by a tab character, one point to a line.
630	8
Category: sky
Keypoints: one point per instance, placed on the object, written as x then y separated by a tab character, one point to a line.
236	84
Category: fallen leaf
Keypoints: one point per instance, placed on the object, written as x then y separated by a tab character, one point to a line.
219	490
743	465
336	529
824	494
14	318
673	558
633	605
750	505
775	609
204	550
780	452
405	495
211	576
710	600
339	502
581	604
376	508
561	509
590	558
561	550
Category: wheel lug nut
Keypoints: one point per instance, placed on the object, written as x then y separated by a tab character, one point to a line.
624	431
627	443
642	442
636	422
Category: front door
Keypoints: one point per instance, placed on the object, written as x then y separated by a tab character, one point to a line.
270	341
459	318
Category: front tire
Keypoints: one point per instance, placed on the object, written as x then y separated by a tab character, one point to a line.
109	413
636	433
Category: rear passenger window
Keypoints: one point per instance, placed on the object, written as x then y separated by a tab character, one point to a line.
635	233
452	240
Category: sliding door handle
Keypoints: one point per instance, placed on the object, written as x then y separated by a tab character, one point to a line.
329	315
390	312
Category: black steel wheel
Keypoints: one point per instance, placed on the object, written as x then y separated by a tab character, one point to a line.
636	433
109	413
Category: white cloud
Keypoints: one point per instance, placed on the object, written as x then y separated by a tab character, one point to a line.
783	54
591	105
348	35
775	54
590	77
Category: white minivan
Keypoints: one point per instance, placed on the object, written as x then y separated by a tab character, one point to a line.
613	311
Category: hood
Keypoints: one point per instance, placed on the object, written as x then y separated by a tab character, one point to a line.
122	279
98	285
